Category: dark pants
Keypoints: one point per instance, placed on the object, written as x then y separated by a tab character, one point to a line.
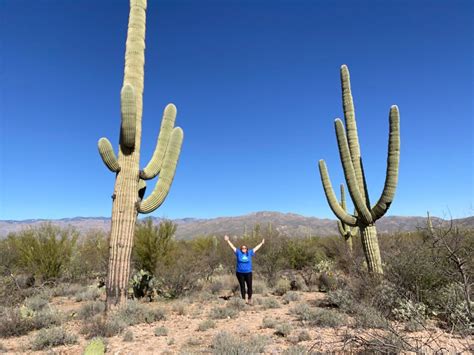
245	278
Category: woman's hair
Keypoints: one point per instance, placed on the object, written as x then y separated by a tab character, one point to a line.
243	246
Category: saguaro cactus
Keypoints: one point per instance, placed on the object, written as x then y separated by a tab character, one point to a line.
365	216
130	186
346	231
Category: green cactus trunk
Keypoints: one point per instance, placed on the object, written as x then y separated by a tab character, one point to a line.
124	212
371	249
130	186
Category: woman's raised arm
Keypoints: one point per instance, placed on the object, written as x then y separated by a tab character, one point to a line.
258	246
226	238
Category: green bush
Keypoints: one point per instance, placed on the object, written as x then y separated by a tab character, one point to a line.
44	251
152	243
47	338
90	258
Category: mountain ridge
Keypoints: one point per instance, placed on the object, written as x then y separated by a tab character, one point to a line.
285	223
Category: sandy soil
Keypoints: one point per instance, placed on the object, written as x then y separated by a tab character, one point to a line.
184	338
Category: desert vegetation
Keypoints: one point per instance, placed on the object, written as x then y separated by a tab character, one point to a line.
312	293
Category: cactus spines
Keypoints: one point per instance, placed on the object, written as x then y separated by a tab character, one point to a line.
162	188
107	154
128	108
154	166
130	188
346	231
349	150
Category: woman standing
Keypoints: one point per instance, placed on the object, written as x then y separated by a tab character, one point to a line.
244	267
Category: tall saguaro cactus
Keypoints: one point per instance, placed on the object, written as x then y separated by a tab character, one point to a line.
129	183
348	142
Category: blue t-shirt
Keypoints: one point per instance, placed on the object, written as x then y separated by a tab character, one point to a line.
244	260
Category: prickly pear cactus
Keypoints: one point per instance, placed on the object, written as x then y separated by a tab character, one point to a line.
95	347
348	141
129	192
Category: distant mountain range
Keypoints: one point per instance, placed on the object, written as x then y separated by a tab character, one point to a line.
286	223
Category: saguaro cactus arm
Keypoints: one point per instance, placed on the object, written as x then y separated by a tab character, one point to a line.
393	160
351	130
163	185
128	108
344	229
331	197
108	156
349	173
153	168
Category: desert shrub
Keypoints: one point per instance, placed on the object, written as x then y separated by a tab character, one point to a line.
90	309
226	344
268	303
283	329
128	336
136	313
282	286
205	325
8	297
223	313
417	271
161	331
151	243
319	317
237	303
343	300
44	251
368	317
327	318
47	338
216	287
291	296
295	350
407	310
268	322
22	320
90	257
304	336
327	282
37	302
259	287
180	272
179	308
88	294
98	327
65	290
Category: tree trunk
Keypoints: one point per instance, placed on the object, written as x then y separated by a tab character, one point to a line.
124	210
370	245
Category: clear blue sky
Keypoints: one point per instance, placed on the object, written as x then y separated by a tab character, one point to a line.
257	88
